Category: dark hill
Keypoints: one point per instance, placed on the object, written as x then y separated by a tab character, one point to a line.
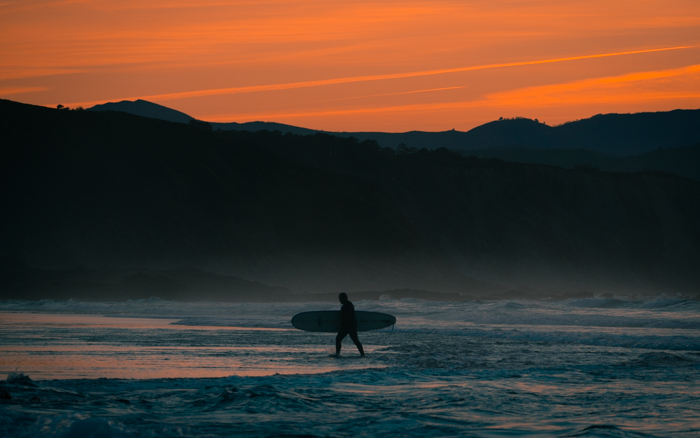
627	134
144	108
612	134
262	126
114	191
536	225
521	132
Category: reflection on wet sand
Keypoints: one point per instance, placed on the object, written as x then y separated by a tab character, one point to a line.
65	346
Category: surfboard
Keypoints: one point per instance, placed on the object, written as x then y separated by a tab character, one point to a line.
329	320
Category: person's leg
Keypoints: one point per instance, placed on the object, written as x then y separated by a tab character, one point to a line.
356	340
339	341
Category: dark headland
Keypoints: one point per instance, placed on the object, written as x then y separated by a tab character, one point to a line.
661	141
109	205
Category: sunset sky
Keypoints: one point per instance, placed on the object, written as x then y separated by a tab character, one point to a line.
356	66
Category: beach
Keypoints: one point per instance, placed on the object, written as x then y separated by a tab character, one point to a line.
622	366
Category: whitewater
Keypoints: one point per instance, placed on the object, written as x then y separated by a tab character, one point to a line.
595	367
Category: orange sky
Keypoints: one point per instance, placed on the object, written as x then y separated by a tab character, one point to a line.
356	66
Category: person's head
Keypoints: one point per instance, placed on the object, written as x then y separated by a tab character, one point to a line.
343	297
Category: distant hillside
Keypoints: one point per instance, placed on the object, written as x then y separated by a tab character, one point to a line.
518	132
613	134
533	225
113	191
110	189
144	108
683	161
627	134
262	126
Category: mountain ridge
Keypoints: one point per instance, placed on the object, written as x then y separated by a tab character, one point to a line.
615	134
144	108
322	213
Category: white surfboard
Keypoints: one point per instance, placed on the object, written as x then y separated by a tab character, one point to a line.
329	321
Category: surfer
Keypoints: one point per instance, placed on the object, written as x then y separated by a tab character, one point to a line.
348	325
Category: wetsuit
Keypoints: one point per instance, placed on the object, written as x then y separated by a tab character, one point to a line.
348	326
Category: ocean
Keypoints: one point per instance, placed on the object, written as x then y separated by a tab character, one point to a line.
596	367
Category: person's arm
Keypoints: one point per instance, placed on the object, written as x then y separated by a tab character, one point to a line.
345	316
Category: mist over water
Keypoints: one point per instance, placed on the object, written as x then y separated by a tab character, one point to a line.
579	367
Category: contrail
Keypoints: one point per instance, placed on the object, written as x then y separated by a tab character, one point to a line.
318	83
306	84
506	98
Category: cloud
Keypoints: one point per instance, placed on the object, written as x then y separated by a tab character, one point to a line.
7	91
633	87
229	117
32	72
347	80
395	94
649	86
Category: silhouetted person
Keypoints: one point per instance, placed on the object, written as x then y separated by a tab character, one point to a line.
348	325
